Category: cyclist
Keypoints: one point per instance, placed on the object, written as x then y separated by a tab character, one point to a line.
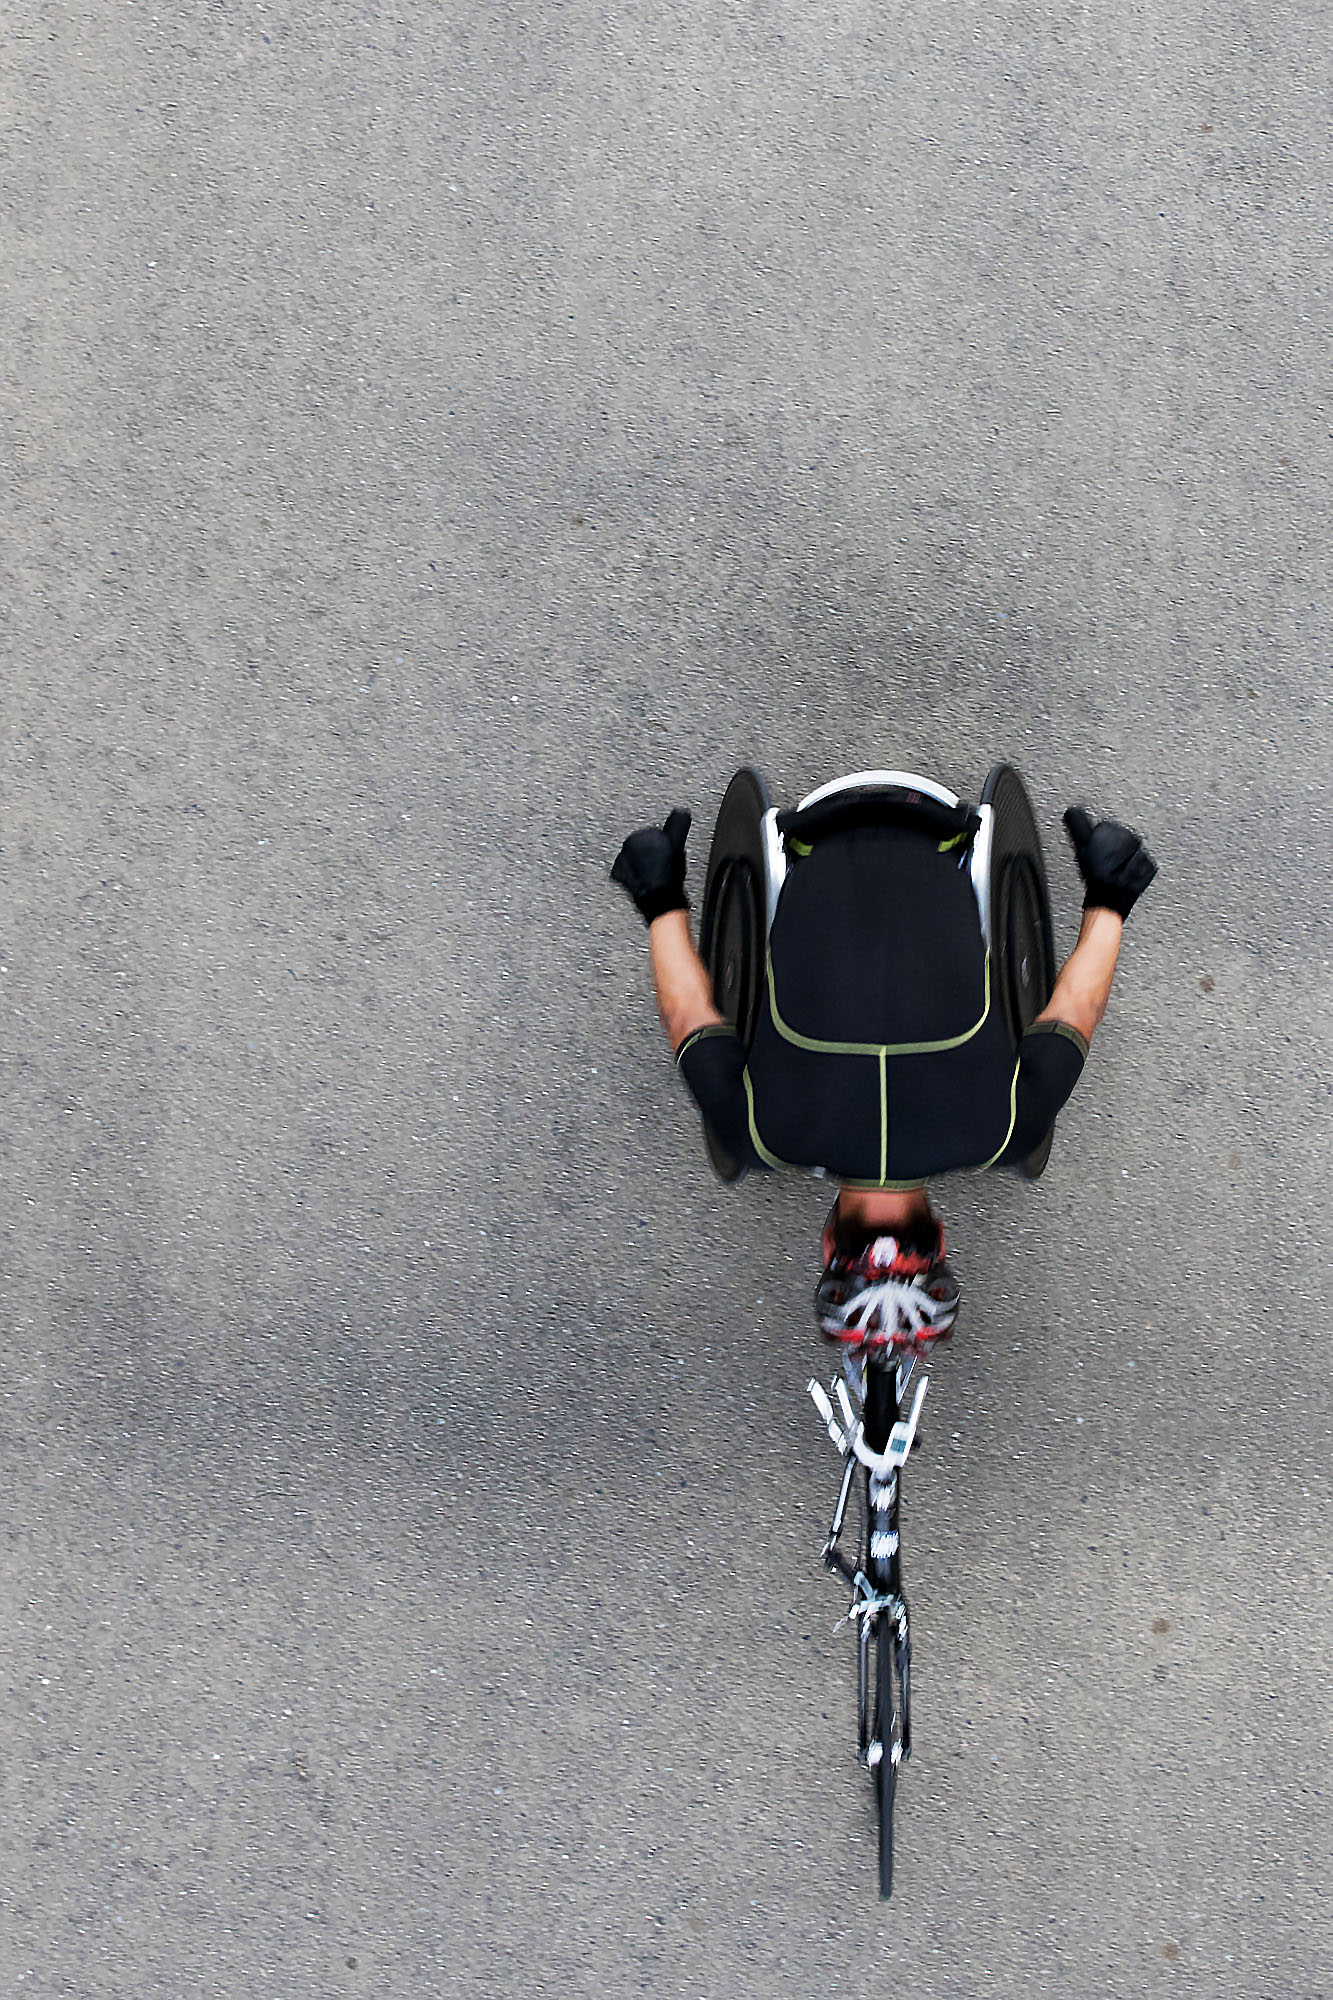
929	1084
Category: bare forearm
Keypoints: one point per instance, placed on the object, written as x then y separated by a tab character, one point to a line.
680	979
1084	986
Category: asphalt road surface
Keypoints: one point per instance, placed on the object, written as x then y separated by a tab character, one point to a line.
437	440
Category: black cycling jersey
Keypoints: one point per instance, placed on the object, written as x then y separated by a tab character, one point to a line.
881	1054
1050	1062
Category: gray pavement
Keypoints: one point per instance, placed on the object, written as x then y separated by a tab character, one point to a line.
437	439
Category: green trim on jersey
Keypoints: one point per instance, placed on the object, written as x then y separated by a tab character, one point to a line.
822	1048
771	1159
1013	1119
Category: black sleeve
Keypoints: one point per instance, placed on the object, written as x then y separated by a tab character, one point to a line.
712	1062
1050	1063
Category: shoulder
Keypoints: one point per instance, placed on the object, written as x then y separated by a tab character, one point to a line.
712	1061
1051	1056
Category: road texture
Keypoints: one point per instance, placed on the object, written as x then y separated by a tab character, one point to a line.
437	439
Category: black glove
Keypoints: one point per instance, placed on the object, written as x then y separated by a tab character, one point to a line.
1114	863
651	867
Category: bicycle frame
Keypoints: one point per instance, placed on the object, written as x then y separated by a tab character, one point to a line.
878	1441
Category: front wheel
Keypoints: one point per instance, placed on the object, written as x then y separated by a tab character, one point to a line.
888	1740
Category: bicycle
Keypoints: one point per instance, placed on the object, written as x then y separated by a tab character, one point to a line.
754	850
875	1436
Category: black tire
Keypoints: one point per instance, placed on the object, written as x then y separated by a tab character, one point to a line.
903	1659
886	1734
1022	942
887	1713
733	926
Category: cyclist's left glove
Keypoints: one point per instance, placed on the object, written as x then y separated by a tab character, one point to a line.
650	867
1115	865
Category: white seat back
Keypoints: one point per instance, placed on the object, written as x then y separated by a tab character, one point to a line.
775	855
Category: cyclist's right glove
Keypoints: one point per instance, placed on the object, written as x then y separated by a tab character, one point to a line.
650	867
1115	865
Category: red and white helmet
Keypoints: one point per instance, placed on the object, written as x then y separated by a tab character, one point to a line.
887	1295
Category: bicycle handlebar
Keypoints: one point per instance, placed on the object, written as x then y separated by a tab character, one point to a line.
850	1436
